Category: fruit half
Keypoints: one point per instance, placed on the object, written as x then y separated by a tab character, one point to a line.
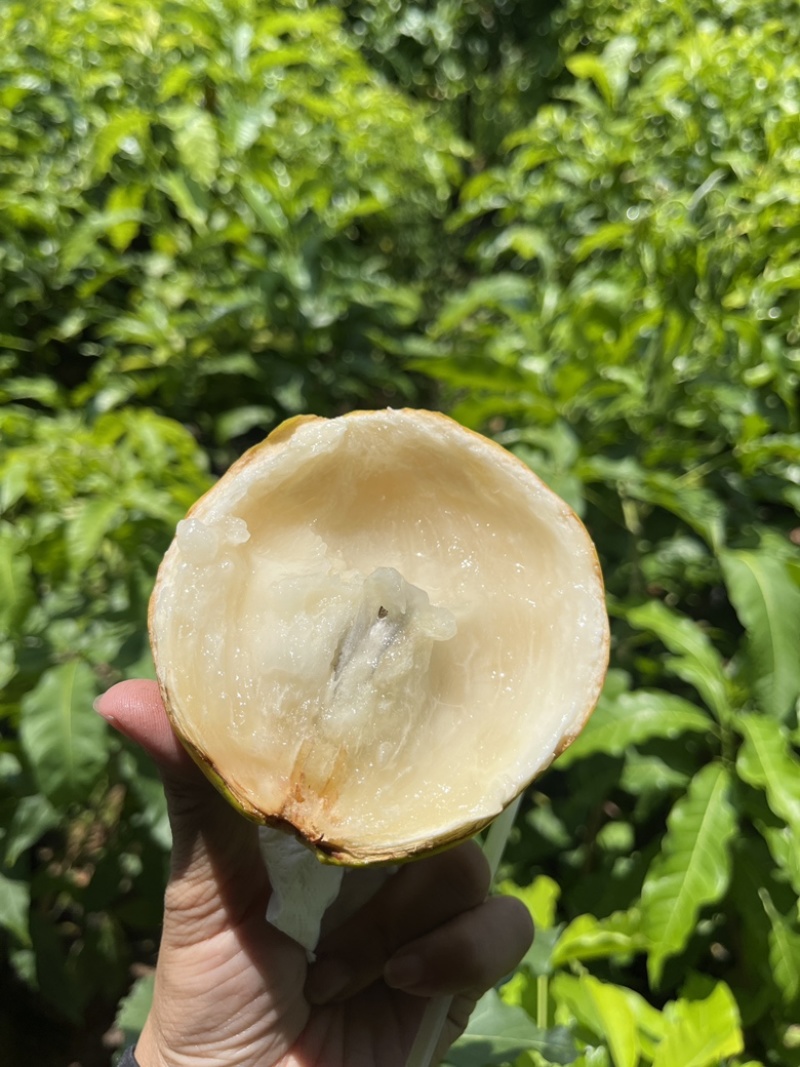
375	630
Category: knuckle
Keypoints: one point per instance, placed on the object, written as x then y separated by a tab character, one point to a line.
466	875
517	920
471	955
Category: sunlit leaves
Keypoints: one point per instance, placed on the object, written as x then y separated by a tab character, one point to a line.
196	141
695	658
767	601
631	719
87	530
224	213
160	204
540	898
117	129
15	577
609	71
125	203
766	761
700	1033
588	938
693	867
91	506
784	950
606	1010
61	735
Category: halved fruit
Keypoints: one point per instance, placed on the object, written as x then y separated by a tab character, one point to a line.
375	630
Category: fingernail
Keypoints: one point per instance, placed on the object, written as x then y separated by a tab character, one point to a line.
326	981
403	972
98	704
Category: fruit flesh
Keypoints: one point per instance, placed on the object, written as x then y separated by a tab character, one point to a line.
378	632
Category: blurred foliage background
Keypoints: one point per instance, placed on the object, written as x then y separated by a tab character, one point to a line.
572	225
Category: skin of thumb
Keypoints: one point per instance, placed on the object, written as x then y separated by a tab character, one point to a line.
137	711
215	850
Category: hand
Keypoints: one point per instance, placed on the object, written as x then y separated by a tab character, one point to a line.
231	991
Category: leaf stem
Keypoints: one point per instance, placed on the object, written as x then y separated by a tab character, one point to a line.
541	1001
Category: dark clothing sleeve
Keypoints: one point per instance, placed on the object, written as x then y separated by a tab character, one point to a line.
128	1059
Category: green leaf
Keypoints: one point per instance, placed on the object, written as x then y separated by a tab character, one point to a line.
610	71
63	738
604	1009
588	938
610	235
134	1008
767	602
498	1033
56	967
617	1020
492	292
693	867
701	1033
652	774
696	660
15	478
540	898
766	761
86	532
8	666
124	199
84	238
698	507
195	138
15	901
538	959
33	816
186	200
119	128
241	420
585	65
785	851
631	719
784	950
15	581
594	1056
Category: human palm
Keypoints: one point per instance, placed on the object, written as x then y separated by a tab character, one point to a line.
232	991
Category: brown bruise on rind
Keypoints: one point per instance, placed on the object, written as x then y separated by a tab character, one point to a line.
338	852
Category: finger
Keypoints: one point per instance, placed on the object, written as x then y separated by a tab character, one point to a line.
137	711
416	900
217	869
468	955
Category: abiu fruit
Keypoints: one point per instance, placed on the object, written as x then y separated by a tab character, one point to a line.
375	630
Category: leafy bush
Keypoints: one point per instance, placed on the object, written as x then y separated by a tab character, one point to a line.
485	65
204	208
207	224
87	513
633	332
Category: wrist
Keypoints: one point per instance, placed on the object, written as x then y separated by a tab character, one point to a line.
145	1053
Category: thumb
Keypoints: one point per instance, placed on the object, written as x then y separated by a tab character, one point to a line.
217	873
